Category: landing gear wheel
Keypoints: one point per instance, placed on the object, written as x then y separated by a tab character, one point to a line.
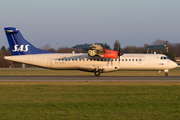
97	73
166	74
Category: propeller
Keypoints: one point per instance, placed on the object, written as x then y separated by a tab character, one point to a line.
119	52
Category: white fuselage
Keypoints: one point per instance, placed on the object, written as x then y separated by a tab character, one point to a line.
83	62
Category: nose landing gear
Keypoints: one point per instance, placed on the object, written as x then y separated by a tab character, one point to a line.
166	72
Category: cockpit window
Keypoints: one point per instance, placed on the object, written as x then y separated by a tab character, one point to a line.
164	57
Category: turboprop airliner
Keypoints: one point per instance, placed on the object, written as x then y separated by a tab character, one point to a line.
97	59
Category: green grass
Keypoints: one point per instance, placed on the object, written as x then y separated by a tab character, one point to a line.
82	73
90	100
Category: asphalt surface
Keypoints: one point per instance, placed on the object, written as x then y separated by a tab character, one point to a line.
90	78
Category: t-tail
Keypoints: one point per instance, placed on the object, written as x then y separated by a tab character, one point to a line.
18	45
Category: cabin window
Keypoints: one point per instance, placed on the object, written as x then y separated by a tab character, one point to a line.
101	59
65	59
69	59
129	59
162	57
87	59
139	59
62	59
126	59
80	59
132	59
115	59
72	59
122	59
136	59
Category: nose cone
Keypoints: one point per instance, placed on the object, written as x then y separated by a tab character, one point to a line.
174	65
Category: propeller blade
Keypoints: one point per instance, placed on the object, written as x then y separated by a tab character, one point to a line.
119	52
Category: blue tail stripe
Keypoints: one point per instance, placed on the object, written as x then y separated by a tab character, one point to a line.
18	45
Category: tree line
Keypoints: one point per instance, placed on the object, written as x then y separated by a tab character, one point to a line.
173	50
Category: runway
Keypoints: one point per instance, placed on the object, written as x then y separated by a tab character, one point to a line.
89	78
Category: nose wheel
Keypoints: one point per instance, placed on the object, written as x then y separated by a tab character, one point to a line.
166	74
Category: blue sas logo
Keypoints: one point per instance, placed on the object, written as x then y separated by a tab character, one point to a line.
20	48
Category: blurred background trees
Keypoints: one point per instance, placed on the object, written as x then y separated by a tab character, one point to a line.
4	63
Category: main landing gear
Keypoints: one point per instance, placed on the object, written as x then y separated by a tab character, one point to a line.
97	72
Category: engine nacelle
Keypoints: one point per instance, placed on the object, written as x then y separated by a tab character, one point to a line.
111	54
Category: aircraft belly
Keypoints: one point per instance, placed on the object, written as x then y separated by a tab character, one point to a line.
92	65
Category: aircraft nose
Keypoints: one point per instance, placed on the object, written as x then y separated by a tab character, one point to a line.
174	64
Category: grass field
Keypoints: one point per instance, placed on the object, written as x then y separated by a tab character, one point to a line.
43	72
90	100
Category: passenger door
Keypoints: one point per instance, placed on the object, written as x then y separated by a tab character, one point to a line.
49	62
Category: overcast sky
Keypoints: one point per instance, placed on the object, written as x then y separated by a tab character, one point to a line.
71	22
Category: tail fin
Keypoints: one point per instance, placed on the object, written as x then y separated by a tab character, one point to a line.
18	45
